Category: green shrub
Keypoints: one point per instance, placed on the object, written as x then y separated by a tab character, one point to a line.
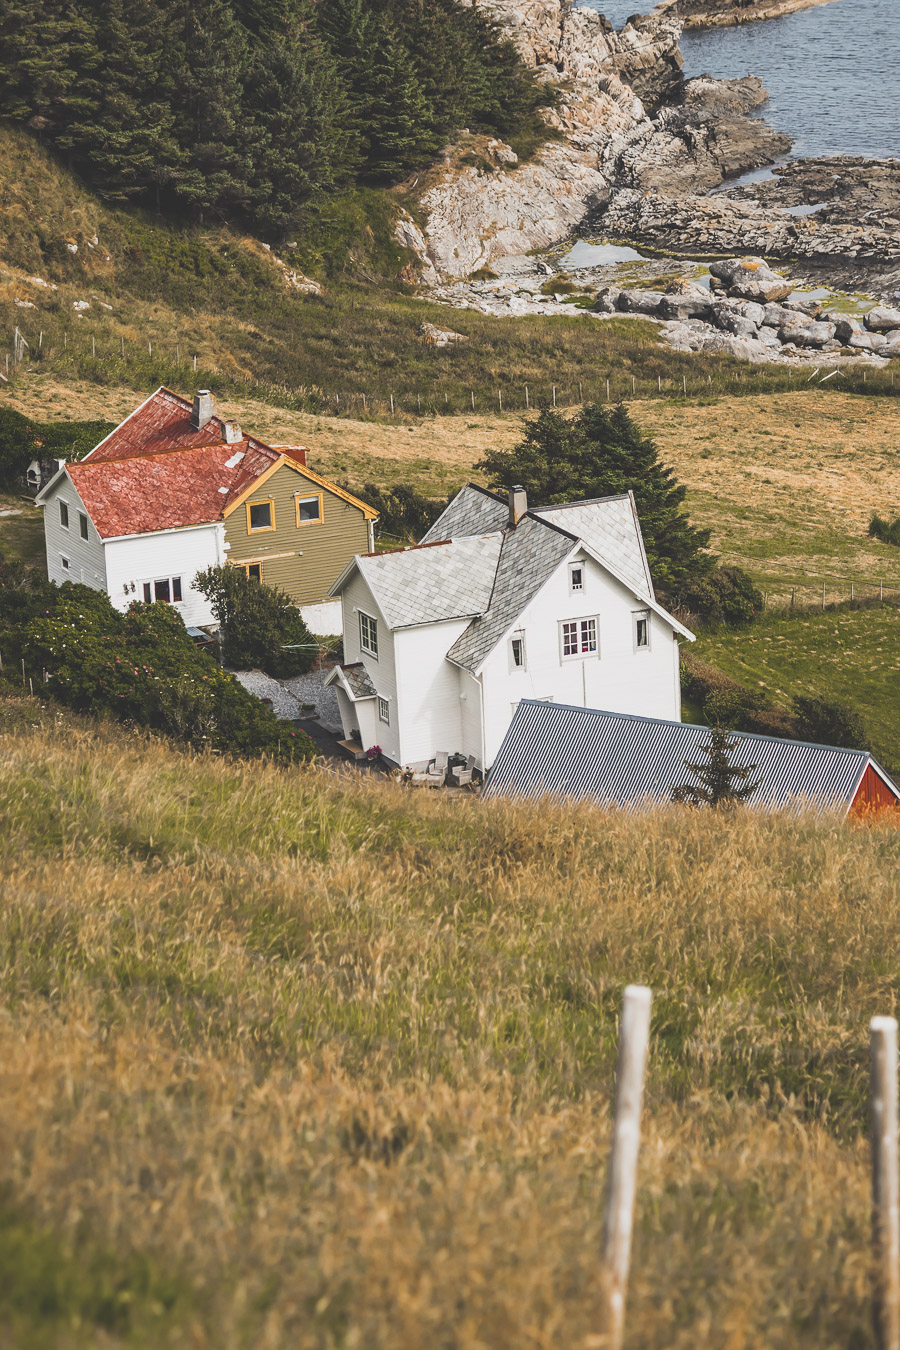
830	723
22	440
403	513
258	622
726	595
888	531
138	667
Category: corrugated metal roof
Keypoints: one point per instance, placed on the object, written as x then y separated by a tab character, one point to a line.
439	581
567	752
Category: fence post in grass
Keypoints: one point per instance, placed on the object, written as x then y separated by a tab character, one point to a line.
684	384
885	1202
659	383
823	594
93	346
621	1184
392	402
527	404
472	394
607	391
500	398
554	396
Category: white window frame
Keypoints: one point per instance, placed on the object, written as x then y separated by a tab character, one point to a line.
640	616
152	584
573	568
83	526
370	650
513	664
384	710
65	563
63	507
579	655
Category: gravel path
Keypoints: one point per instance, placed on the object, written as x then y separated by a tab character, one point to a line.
310	688
255	682
288	695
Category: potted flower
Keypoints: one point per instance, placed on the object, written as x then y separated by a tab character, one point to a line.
373	753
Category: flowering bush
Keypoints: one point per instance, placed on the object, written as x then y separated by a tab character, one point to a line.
140	666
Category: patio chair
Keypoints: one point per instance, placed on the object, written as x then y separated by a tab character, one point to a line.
436	773
462	773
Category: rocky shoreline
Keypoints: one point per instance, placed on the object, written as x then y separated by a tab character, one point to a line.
728	13
646	157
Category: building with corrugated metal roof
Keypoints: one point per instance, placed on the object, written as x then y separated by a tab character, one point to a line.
612	758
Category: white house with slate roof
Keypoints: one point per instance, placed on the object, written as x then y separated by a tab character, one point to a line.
497	604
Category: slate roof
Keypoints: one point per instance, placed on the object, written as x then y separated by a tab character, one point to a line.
608	525
555	750
473	510
172	490
356	677
530	554
433	582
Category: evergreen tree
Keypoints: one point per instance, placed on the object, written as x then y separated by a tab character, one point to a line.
601	453
718	781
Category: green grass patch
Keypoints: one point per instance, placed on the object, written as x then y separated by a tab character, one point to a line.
844	655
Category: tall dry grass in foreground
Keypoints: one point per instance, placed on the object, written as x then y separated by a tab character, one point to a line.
294	1060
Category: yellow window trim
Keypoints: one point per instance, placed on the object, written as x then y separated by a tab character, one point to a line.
261	529
311	477
308	497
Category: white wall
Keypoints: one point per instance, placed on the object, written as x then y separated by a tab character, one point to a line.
428	691
87	565
618	679
470	716
382	672
167	553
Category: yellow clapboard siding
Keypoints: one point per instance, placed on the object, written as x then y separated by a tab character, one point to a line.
326	547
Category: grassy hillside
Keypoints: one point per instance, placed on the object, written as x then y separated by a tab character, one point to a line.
159	296
297	1059
847	656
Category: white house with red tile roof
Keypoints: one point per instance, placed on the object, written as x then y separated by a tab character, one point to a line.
148	508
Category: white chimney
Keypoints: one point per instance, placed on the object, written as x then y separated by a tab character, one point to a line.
231	433
204	408
518	505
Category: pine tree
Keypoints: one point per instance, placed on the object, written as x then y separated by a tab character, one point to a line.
719	782
601	453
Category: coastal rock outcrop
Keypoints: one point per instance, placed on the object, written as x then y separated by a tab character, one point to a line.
726	13
751	279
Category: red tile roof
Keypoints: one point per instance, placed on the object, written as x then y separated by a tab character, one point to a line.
162	422
167	491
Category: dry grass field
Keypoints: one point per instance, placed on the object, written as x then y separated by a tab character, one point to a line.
787	482
304	1060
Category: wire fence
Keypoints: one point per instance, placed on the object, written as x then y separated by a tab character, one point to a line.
173	362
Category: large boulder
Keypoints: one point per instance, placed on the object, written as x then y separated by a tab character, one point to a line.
639	302
744	349
751	279
607	297
684	299
812	308
805	332
882	319
891	345
861	342
776	315
845	326
730	320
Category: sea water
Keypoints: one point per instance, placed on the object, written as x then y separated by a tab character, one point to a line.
831	71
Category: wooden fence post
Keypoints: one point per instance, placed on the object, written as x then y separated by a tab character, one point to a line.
621	1185
885	1204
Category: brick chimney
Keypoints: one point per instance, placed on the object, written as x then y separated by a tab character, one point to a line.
518	505
231	433
204	409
